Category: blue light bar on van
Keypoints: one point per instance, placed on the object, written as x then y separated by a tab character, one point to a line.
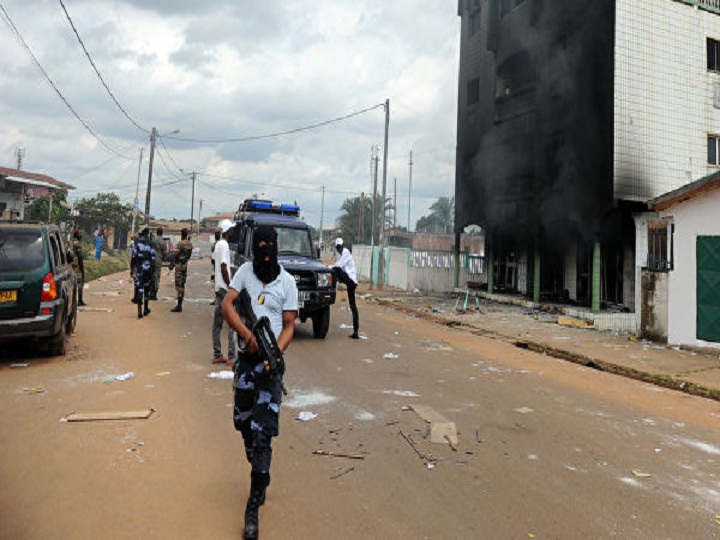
270	206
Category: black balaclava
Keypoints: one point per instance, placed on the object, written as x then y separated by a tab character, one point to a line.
266	271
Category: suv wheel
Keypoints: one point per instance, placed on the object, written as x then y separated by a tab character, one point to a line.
73	317
321	322
58	345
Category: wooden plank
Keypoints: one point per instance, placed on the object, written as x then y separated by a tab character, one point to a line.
97	416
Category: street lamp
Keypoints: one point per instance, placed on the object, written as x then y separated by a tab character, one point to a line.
153	137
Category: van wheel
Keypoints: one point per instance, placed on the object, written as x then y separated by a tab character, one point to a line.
321	322
58	345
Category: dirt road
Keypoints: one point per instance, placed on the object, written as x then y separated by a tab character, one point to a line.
545	449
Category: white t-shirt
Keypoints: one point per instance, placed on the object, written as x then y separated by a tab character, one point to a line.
269	300
346	263
221	254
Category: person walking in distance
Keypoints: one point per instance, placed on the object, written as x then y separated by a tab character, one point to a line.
161	252
344	272
180	259
143	262
221	267
78	264
258	394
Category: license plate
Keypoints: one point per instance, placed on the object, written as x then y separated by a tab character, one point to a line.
301	300
8	296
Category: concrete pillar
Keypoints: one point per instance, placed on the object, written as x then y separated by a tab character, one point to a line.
596	279
489	263
536	273
456	253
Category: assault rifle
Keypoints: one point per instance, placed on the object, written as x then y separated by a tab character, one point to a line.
267	344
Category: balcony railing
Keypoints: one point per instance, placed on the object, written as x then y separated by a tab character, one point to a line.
513	105
709	5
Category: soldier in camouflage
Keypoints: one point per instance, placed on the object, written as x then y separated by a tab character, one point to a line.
78	264
181	256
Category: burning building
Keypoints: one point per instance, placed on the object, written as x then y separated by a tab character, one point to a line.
572	115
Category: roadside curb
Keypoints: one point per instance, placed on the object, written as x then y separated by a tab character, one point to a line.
657	379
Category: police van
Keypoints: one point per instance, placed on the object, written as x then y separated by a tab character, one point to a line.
296	254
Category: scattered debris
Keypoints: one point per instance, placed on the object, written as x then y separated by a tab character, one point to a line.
563	320
92	308
411	442
454	448
640	474
18	365
142	414
441	429
524	410
225	374
593	364
35	390
162	374
304	416
337	454
390	355
125	376
341	473
477	436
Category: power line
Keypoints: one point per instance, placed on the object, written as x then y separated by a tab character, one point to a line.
72	25
9	22
280	133
162	143
276	185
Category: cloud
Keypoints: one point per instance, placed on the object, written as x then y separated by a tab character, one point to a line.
225	69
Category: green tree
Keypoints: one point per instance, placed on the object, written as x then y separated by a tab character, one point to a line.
104	208
41	206
441	218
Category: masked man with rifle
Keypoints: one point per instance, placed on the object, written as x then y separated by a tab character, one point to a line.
270	307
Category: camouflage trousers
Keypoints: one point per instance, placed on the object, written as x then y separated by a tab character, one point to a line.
180	278
256	410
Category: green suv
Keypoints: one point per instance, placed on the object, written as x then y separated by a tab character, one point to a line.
38	288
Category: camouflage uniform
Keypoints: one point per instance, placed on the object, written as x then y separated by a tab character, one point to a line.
184	252
143	259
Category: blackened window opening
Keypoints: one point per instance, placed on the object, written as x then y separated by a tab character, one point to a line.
713	54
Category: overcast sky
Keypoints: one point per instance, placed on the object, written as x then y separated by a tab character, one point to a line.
233	69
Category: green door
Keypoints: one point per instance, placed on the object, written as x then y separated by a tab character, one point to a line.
708	288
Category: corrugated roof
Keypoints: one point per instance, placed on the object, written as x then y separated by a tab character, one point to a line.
40	178
706	183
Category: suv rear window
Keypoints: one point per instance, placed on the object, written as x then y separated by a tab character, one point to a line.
20	251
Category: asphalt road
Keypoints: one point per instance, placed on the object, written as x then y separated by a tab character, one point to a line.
545	449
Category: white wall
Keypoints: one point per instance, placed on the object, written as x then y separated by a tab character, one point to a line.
693	218
663	96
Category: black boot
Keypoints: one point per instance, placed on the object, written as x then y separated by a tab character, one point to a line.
81	302
178	308
139	305
135	298
146	311
258	483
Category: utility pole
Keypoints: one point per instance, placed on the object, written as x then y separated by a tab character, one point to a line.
374	213
137	189
322	209
199	219
192	202
50	198
362	218
153	136
19	155
381	258
410	190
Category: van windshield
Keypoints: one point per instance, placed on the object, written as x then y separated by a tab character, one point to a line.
20	251
293	242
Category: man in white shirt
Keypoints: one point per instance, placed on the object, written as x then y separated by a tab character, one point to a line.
221	263
344	272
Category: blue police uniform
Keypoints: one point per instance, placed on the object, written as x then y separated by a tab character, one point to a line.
258	395
143	261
